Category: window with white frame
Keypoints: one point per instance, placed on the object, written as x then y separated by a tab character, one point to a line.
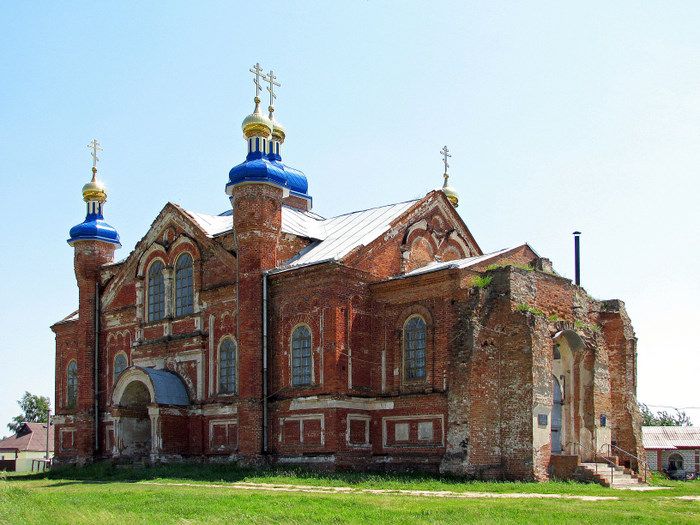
301	356
184	297
227	366
414	343
156	292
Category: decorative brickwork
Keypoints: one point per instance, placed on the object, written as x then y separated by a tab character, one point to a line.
481	405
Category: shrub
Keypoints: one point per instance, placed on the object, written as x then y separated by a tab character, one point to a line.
482	281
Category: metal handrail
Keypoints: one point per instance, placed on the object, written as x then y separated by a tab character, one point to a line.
642	463
595	459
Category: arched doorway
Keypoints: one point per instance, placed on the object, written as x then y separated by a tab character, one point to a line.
134	421
567	418
675	462
138	398
556	416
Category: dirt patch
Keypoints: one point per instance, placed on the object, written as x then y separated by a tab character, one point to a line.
275	487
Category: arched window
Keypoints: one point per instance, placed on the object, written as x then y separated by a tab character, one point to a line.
72	384
414	348
301	356
675	462
156	292
227	366
184	303
556	353
119	365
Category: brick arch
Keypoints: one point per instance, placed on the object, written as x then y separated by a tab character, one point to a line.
407	312
421	252
183	244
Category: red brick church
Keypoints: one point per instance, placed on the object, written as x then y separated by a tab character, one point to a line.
377	339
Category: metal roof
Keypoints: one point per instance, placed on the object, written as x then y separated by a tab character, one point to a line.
168	387
339	235
294	221
457	263
670	438
334	237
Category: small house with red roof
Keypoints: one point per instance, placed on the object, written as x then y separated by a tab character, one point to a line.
29	443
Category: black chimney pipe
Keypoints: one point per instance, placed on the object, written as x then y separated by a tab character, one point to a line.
577	258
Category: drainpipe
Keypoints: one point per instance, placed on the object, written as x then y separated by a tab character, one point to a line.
97	368
577	258
264	356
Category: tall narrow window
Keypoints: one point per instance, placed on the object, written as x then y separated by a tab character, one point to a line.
184	303
156	292
119	365
301	356
414	348
227	366
72	385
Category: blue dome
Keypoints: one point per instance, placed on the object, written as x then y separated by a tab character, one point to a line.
94	229
265	170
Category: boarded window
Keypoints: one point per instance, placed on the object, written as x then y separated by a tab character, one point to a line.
224	435
184	300
414	348
301	356
425	431
401	432
312	431
357	434
156	292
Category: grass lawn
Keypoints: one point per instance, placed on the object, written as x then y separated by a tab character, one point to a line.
102	494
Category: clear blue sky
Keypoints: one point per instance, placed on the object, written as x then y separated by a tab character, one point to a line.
559	117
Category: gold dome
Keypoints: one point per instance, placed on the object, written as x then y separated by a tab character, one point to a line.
451	195
94	190
449	191
256	124
278	132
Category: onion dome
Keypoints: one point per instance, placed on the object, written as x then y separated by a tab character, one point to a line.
94	190
263	162
278	132
94	227
256	124
450	192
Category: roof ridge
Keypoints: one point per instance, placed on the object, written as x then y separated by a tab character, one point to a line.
373	208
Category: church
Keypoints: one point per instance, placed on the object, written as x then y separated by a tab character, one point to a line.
382	339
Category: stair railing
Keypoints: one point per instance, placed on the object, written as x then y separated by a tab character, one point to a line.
641	463
610	463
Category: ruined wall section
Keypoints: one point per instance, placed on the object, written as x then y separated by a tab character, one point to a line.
621	344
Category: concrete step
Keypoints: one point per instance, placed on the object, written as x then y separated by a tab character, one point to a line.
614	477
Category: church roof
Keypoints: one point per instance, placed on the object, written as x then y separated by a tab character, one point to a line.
168	387
333	238
457	263
342	234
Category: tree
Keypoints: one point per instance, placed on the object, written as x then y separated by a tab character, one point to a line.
663	418
35	409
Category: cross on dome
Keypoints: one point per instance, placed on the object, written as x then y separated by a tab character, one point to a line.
270	79
258	72
95	147
445	154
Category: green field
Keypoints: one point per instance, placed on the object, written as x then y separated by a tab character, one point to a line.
197	494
